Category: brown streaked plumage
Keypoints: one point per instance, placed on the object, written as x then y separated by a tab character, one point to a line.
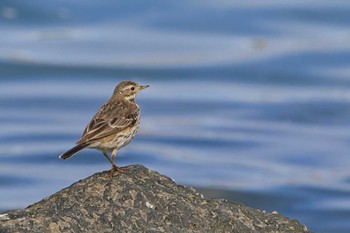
114	125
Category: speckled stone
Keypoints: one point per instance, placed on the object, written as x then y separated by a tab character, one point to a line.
139	200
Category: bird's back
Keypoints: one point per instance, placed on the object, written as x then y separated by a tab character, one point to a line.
114	116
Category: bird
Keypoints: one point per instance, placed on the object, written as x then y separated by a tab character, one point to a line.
113	126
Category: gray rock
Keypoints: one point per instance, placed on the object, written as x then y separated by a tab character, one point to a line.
139	200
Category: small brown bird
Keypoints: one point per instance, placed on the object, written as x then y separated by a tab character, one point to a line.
114	125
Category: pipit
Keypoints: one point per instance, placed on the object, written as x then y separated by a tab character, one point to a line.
113	126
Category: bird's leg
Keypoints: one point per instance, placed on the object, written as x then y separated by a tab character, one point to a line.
107	157
114	167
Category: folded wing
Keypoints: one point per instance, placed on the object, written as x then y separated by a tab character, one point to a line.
99	128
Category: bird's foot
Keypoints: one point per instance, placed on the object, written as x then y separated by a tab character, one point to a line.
116	169
119	169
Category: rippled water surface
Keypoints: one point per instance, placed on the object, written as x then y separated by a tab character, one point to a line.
248	101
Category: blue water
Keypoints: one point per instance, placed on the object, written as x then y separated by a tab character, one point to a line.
249	101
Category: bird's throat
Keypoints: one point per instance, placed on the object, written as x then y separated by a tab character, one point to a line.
131	98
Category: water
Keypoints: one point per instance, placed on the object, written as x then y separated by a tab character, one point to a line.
248	101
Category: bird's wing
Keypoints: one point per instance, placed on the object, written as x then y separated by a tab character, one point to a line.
99	128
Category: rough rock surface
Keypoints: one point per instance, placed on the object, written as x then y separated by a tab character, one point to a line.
139	200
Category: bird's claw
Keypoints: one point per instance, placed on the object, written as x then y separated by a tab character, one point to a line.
116	169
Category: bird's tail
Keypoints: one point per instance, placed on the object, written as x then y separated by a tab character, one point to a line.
73	151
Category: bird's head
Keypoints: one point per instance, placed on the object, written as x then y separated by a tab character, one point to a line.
128	90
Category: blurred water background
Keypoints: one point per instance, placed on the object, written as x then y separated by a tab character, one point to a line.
249	100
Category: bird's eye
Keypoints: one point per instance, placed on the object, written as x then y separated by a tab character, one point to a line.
132	88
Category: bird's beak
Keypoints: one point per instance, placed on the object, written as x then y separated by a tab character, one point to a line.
143	87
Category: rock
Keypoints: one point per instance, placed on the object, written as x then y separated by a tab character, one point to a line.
139	200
